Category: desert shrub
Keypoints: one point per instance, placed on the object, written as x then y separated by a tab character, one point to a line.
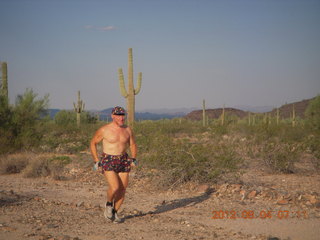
312	145
220	130
60	160
43	166
6	126
180	159
64	118
37	167
67	139
57	166
14	163
280	157
313	114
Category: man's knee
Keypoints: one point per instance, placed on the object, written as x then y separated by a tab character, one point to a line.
114	189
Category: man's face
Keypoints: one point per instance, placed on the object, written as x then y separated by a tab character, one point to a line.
119	119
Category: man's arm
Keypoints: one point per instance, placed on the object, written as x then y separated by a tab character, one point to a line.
133	146
94	141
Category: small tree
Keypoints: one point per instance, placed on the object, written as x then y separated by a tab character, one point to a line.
27	113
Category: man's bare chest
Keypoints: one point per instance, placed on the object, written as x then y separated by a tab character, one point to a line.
120	136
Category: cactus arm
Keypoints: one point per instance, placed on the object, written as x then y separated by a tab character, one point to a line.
123	90
137	90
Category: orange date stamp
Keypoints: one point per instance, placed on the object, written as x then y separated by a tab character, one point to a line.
263	214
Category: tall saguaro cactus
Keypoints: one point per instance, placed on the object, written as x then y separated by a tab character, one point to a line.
278	116
130	93
78	108
293	116
223	115
4	84
204	120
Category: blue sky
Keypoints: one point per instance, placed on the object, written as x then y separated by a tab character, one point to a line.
240	52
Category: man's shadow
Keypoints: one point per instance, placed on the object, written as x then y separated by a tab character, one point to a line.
174	204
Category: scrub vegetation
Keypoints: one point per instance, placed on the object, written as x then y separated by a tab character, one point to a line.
171	152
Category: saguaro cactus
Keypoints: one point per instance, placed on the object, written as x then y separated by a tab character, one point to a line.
4	85
204	113
222	115
278	116
131	92
78	108
293	116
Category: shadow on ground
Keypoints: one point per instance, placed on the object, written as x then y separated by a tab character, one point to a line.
8	198
174	204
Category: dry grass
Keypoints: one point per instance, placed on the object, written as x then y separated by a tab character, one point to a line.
34	165
14	163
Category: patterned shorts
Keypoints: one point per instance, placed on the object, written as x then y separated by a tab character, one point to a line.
116	163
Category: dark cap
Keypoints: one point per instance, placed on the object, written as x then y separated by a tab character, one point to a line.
118	111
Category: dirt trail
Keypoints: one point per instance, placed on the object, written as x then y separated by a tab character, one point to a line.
47	209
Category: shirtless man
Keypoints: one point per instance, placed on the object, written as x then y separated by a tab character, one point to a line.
115	162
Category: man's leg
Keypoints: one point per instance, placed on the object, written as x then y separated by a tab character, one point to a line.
113	187
123	184
114	184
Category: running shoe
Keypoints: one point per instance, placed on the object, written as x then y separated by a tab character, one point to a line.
117	218
109	212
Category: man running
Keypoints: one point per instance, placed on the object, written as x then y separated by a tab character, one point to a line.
115	162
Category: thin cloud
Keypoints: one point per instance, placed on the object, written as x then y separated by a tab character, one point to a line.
101	29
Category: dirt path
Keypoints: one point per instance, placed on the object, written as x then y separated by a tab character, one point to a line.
47	209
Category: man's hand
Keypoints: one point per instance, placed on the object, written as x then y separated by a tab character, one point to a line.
134	162
96	166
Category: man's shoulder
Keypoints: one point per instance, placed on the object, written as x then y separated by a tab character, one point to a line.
104	127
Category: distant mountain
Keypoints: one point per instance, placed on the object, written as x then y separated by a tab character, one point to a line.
285	111
174	111
215	113
192	113
255	109
154	116
106	115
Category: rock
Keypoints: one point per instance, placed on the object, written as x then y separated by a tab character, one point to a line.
52	226
243	194
311	198
202	188
282	202
80	204
252	194
37	198
236	188
223	188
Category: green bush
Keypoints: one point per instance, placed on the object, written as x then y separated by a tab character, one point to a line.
20	124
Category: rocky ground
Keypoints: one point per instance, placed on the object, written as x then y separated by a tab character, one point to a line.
263	206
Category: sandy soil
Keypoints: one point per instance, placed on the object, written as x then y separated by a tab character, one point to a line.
283	207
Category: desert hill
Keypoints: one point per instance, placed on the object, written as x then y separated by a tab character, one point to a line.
285	111
215	113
